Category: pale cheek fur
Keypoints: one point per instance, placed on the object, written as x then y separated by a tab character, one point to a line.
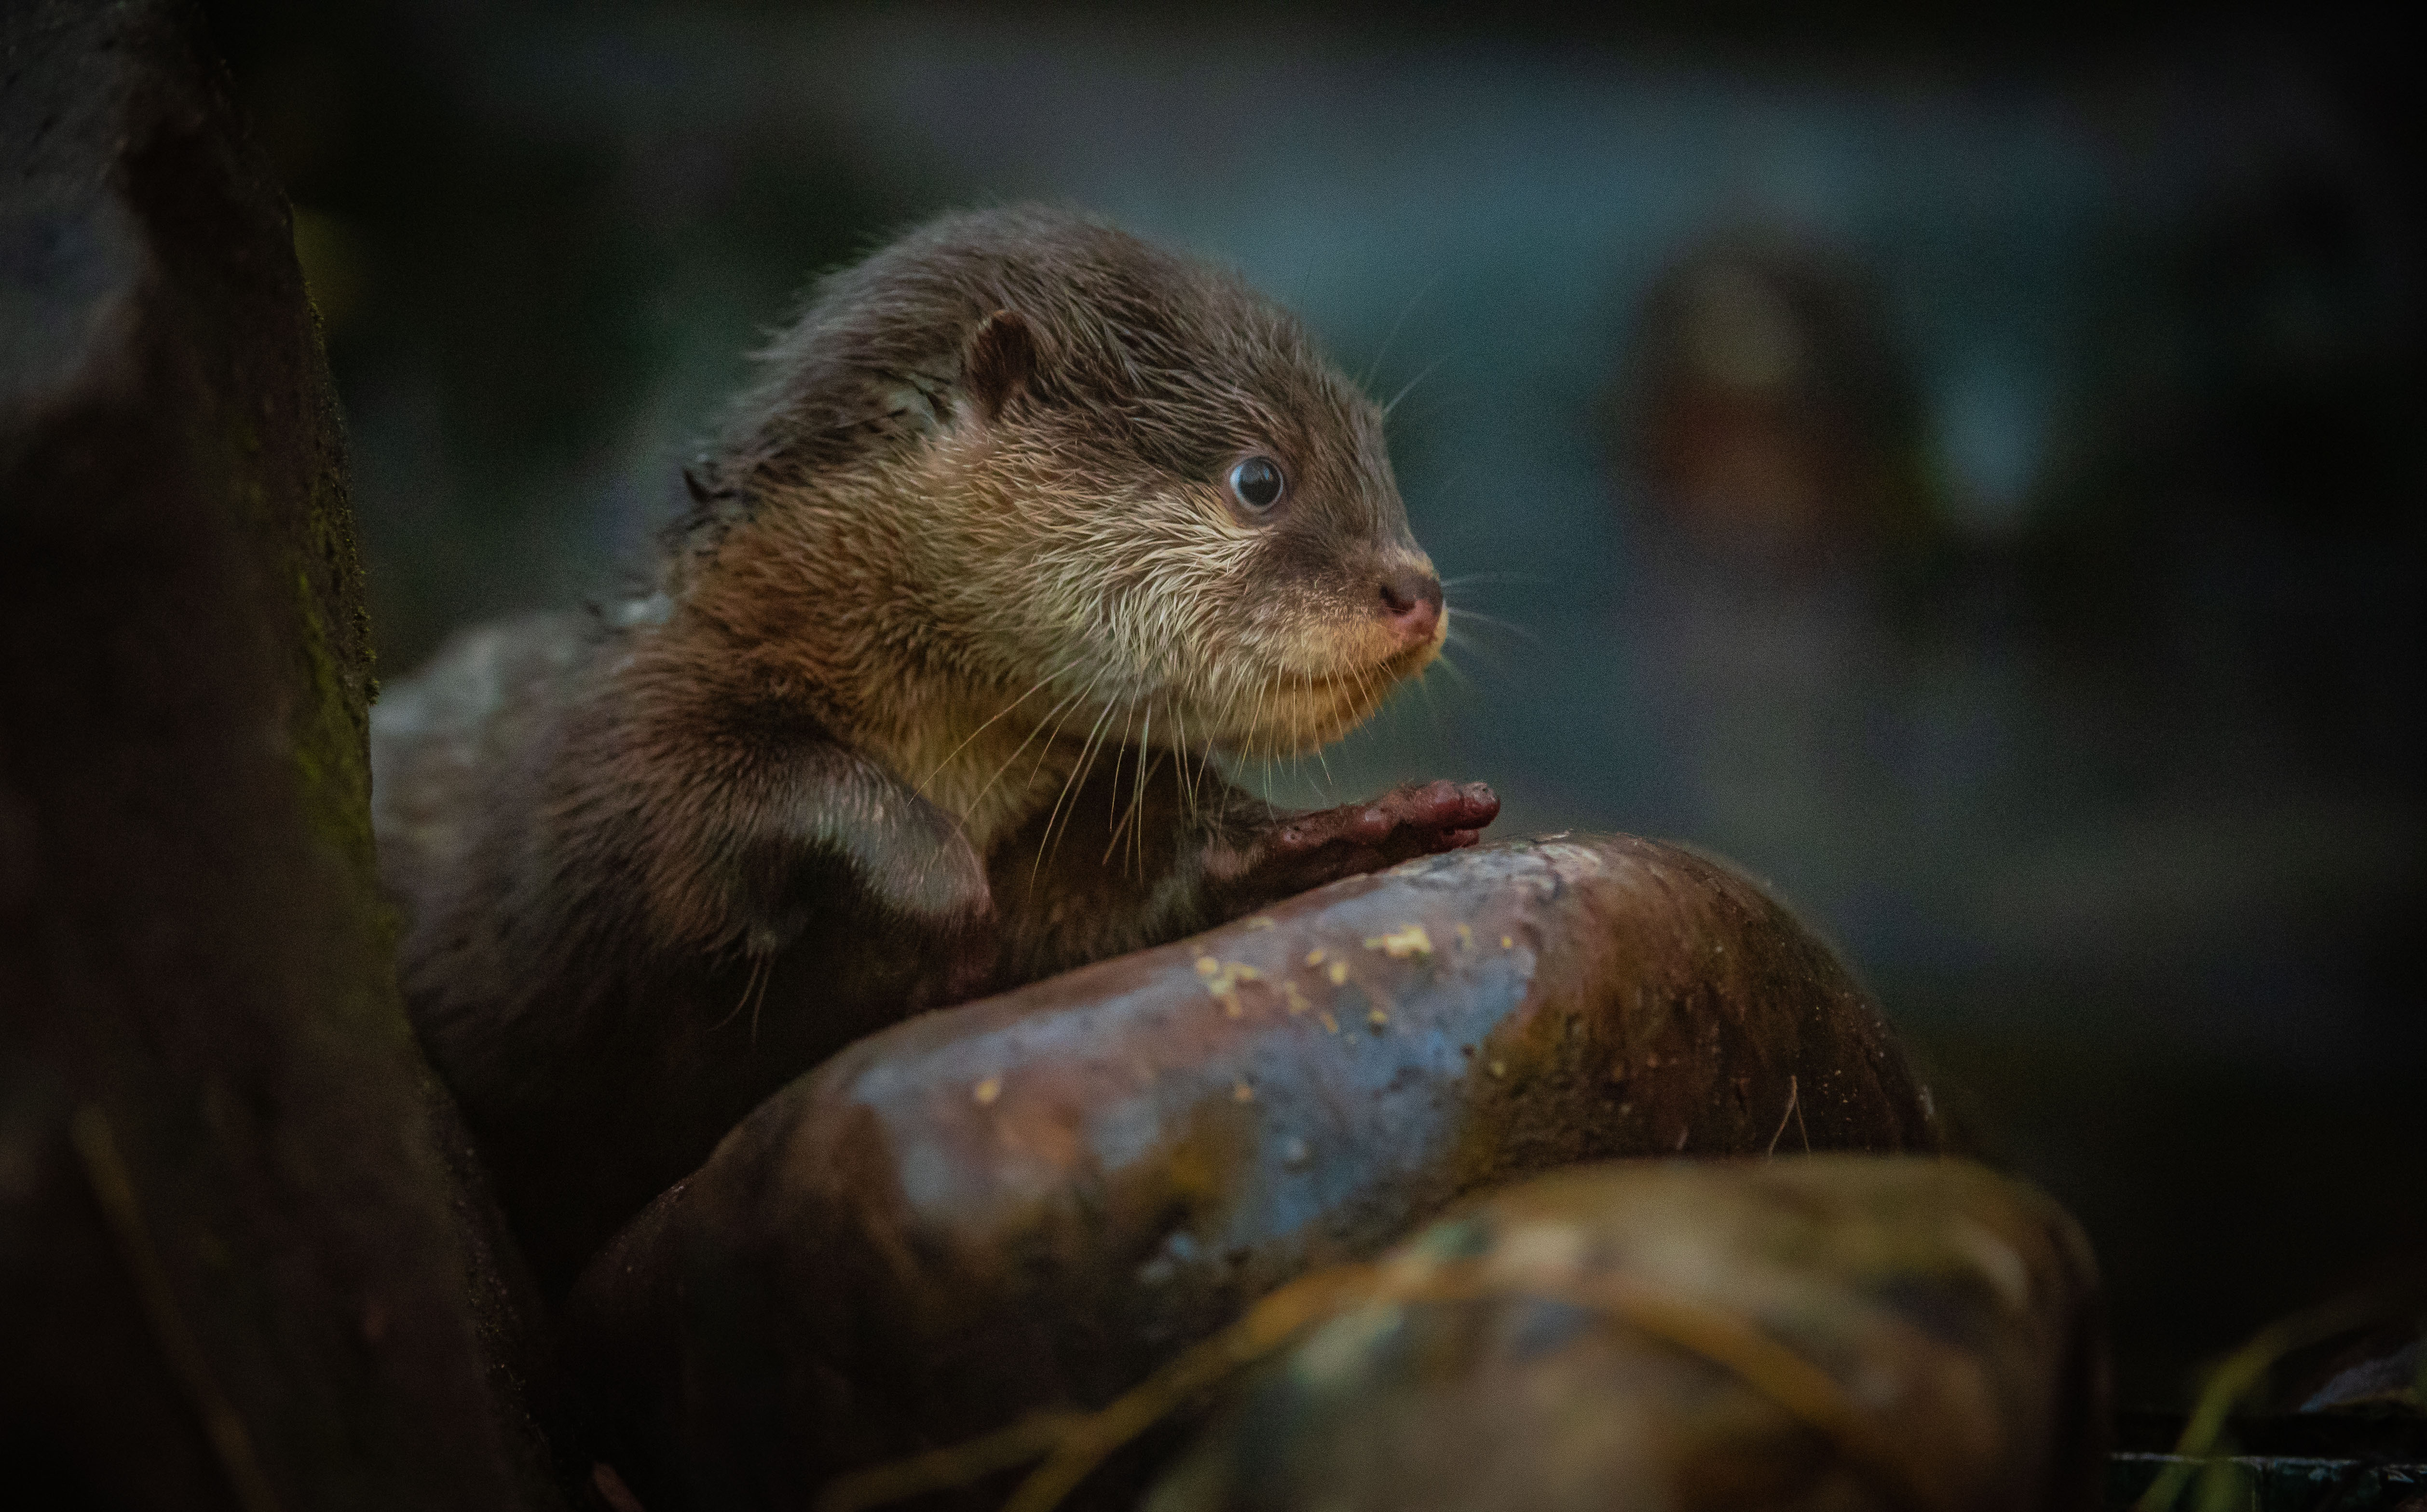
1187	628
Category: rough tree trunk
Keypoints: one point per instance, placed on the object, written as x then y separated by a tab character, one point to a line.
235	1267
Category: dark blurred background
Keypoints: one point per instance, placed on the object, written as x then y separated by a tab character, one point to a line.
1972	478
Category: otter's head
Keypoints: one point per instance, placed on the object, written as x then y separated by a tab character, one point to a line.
1120	485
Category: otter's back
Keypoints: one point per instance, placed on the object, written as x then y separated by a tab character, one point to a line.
440	741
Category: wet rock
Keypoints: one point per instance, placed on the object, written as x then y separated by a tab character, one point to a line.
1030	1201
233	1254
1839	1332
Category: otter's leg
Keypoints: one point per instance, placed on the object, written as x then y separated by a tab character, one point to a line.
1125	866
1245	866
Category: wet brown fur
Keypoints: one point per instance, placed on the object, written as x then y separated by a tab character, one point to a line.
925	702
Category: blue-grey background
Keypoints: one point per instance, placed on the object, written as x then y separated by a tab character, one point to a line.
2102	764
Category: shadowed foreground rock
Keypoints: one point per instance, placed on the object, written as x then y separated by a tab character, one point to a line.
235	1268
1847	1334
1031	1201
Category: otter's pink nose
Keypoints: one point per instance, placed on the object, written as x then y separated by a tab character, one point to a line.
1412	603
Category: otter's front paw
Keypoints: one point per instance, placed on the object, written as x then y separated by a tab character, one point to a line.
1305	851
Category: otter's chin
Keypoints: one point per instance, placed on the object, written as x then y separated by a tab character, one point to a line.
1303	713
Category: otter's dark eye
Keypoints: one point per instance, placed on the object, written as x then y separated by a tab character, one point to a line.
1258	482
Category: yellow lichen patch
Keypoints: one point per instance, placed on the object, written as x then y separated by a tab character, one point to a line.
1339	972
1507	944
1465	938
1377	1017
1329	1022
988	1090
1500	1068
1296	999
1240	1091
1407	940
1222	981
1314	957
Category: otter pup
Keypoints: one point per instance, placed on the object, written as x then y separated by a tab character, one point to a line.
1023	522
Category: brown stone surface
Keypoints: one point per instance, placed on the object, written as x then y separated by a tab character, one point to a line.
234	1262
1843	1333
1031	1200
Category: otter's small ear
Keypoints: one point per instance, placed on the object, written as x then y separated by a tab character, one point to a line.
1000	361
